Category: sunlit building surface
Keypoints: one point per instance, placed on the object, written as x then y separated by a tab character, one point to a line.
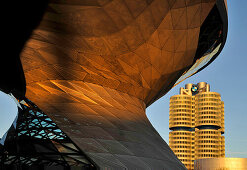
197	122
94	66
221	164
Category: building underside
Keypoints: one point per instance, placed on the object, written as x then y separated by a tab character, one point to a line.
35	142
94	66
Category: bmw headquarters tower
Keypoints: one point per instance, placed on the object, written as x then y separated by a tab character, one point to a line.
196	118
83	73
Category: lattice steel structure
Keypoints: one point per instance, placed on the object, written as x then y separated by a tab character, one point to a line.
93	66
197	123
34	141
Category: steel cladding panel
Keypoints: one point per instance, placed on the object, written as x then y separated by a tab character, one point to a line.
92	66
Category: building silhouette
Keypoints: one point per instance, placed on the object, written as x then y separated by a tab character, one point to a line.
196	121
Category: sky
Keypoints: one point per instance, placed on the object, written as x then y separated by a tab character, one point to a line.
227	75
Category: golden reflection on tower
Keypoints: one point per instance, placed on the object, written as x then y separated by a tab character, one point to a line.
196	121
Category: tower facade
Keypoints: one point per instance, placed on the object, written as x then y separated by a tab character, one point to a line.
196	121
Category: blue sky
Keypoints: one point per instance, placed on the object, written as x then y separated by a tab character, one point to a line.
8	111
227	75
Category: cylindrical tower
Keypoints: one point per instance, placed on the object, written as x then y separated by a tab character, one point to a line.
182	144
182	123
209	124
181	111
197	123
222	117
207	143
222	147
208	110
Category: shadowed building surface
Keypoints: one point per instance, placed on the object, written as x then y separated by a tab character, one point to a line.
94	66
